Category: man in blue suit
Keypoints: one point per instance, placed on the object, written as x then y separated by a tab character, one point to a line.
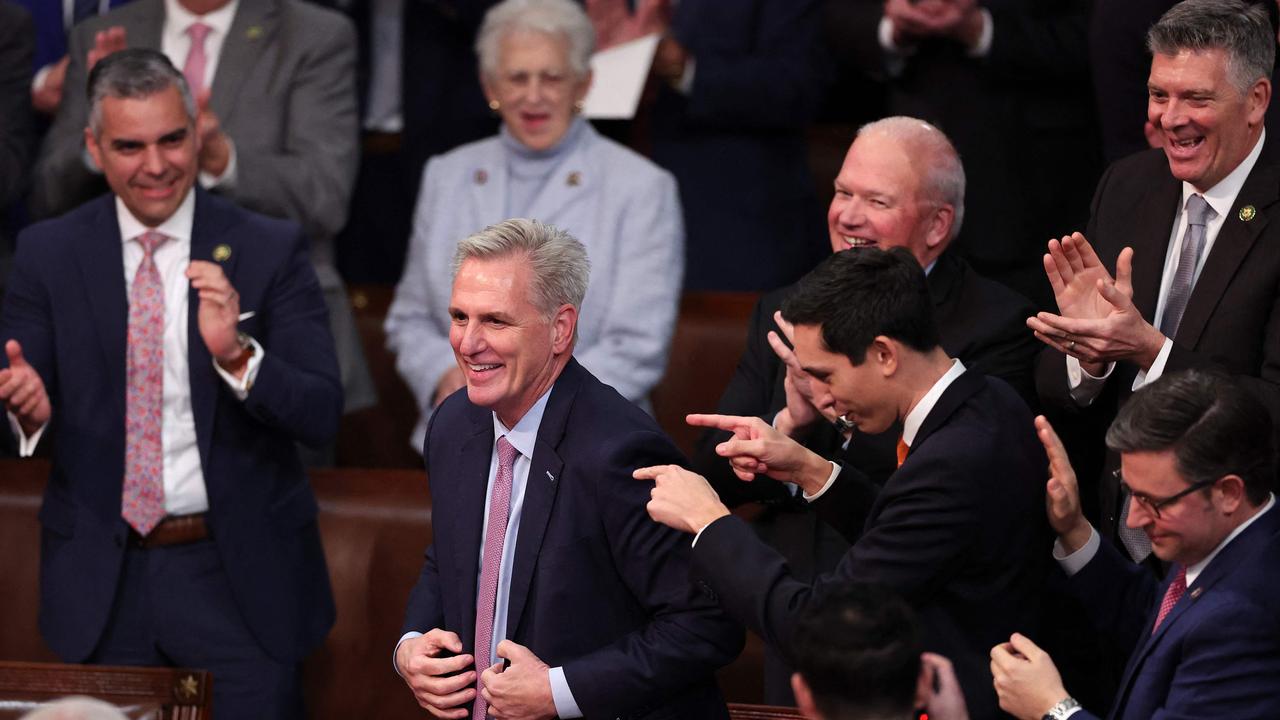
178	347
1196	451
543	556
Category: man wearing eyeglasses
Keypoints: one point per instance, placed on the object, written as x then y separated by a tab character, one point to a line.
1196	458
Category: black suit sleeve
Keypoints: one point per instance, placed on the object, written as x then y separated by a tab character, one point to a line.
16	131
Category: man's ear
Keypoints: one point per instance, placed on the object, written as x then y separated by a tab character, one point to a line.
940	225
804	697
562	328
884	353
1231	493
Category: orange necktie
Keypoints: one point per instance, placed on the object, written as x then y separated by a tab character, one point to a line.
903	449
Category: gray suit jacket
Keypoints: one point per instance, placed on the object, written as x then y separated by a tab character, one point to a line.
284	92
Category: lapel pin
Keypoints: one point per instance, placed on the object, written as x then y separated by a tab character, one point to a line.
481	177
575	179
1196	592
551	477
253	32
222	252
1248	212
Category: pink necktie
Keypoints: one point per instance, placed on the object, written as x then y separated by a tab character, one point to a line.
1171	596
486	601
193	69
143	502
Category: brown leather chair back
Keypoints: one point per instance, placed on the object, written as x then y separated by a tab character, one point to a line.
140	693
741	711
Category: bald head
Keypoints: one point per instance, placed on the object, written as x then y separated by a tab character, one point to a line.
901	185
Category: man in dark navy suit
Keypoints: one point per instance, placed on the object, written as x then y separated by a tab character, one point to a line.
178	348
542	554
955	529
1197	455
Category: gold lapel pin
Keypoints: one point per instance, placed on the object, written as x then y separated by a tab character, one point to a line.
253	32
575	179
481	177
1195	592
222	252
1248	212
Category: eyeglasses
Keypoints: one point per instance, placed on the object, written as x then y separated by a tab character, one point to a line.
1154	504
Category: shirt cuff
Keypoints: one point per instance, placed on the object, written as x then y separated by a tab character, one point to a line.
684	85
26	445
831	479
407	636
983	46
1072	711
1075	562
566	706
241	386
227	180
1154	372
1082	386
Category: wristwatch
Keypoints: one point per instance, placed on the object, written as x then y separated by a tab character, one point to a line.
1065	708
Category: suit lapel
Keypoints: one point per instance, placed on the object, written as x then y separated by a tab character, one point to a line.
1150	242
1236	238
252	31
101	263
474	457
145	28
960	390
540	492
208	230
488	183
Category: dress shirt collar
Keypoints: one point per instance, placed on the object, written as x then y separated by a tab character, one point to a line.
524	435
1223	195
915	418
1194	570
178	18
177	227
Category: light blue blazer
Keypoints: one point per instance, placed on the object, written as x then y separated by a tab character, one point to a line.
622	207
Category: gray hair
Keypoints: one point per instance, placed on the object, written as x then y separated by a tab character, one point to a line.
1241	30
134	73
76	708
560	19
558	261
943	178
1214	426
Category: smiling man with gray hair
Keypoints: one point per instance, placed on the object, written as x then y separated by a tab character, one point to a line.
547	591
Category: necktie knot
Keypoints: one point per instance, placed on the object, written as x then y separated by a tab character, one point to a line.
198	32
1198	211
151	240
506	452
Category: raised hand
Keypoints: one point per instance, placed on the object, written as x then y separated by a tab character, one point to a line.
219	311
441	681
1062	493
803	407
22	391
105	42
215	148
1026	680
756	447
681	499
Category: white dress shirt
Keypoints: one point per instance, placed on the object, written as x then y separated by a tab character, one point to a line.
184	487
523	437
1084	388
175	43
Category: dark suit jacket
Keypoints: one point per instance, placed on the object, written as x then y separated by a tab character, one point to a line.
17	131
958	530
1232	319
981	322
597	587
757	86
1217	653
68	307
1022	119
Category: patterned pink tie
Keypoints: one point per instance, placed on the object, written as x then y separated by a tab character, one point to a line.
143	504
486	601
193	69
1171	596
